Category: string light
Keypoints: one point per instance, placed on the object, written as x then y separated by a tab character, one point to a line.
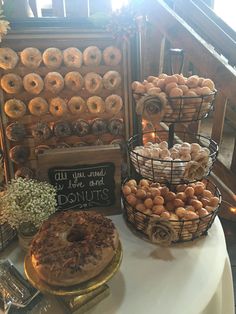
232	209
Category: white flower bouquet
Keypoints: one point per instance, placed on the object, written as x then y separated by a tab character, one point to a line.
27	201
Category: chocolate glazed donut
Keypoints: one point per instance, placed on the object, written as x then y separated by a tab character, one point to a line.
116	127
62	129
81	127
41	131
99	126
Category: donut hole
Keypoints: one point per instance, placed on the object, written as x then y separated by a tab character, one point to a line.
53	59
33	83
11	83
112	81
6	58
112	56
31	58
53	83
56	108
113	104
93	82
93	57
76	235
94	106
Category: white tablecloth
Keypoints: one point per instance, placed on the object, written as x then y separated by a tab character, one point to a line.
187	278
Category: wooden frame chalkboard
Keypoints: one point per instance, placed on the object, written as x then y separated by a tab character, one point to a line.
85	177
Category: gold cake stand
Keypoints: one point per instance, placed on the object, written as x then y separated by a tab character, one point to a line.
79	297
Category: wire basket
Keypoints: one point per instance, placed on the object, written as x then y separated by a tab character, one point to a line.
174	171
170	231
185	108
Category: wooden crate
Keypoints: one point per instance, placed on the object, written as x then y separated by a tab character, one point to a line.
62	39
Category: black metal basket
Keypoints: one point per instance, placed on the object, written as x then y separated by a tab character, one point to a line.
183	229
171	171
185	108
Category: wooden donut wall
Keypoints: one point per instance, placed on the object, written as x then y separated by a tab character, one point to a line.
80	41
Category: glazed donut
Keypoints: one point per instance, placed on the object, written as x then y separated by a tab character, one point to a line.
96	105
8	58
93	82
41	131
112	56
116	127
24	172
73	247
33	83
58	107
62	129
77	105
19	154
11	83
113	104
15	132
38	106
54	82
92	56
81	127
52	58
111	80
31	57
74	81
14	108
98	126
72	57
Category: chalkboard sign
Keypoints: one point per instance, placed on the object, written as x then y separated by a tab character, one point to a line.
84	186
84	177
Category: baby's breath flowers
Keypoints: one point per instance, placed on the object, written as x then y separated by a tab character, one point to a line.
4	25
27	201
